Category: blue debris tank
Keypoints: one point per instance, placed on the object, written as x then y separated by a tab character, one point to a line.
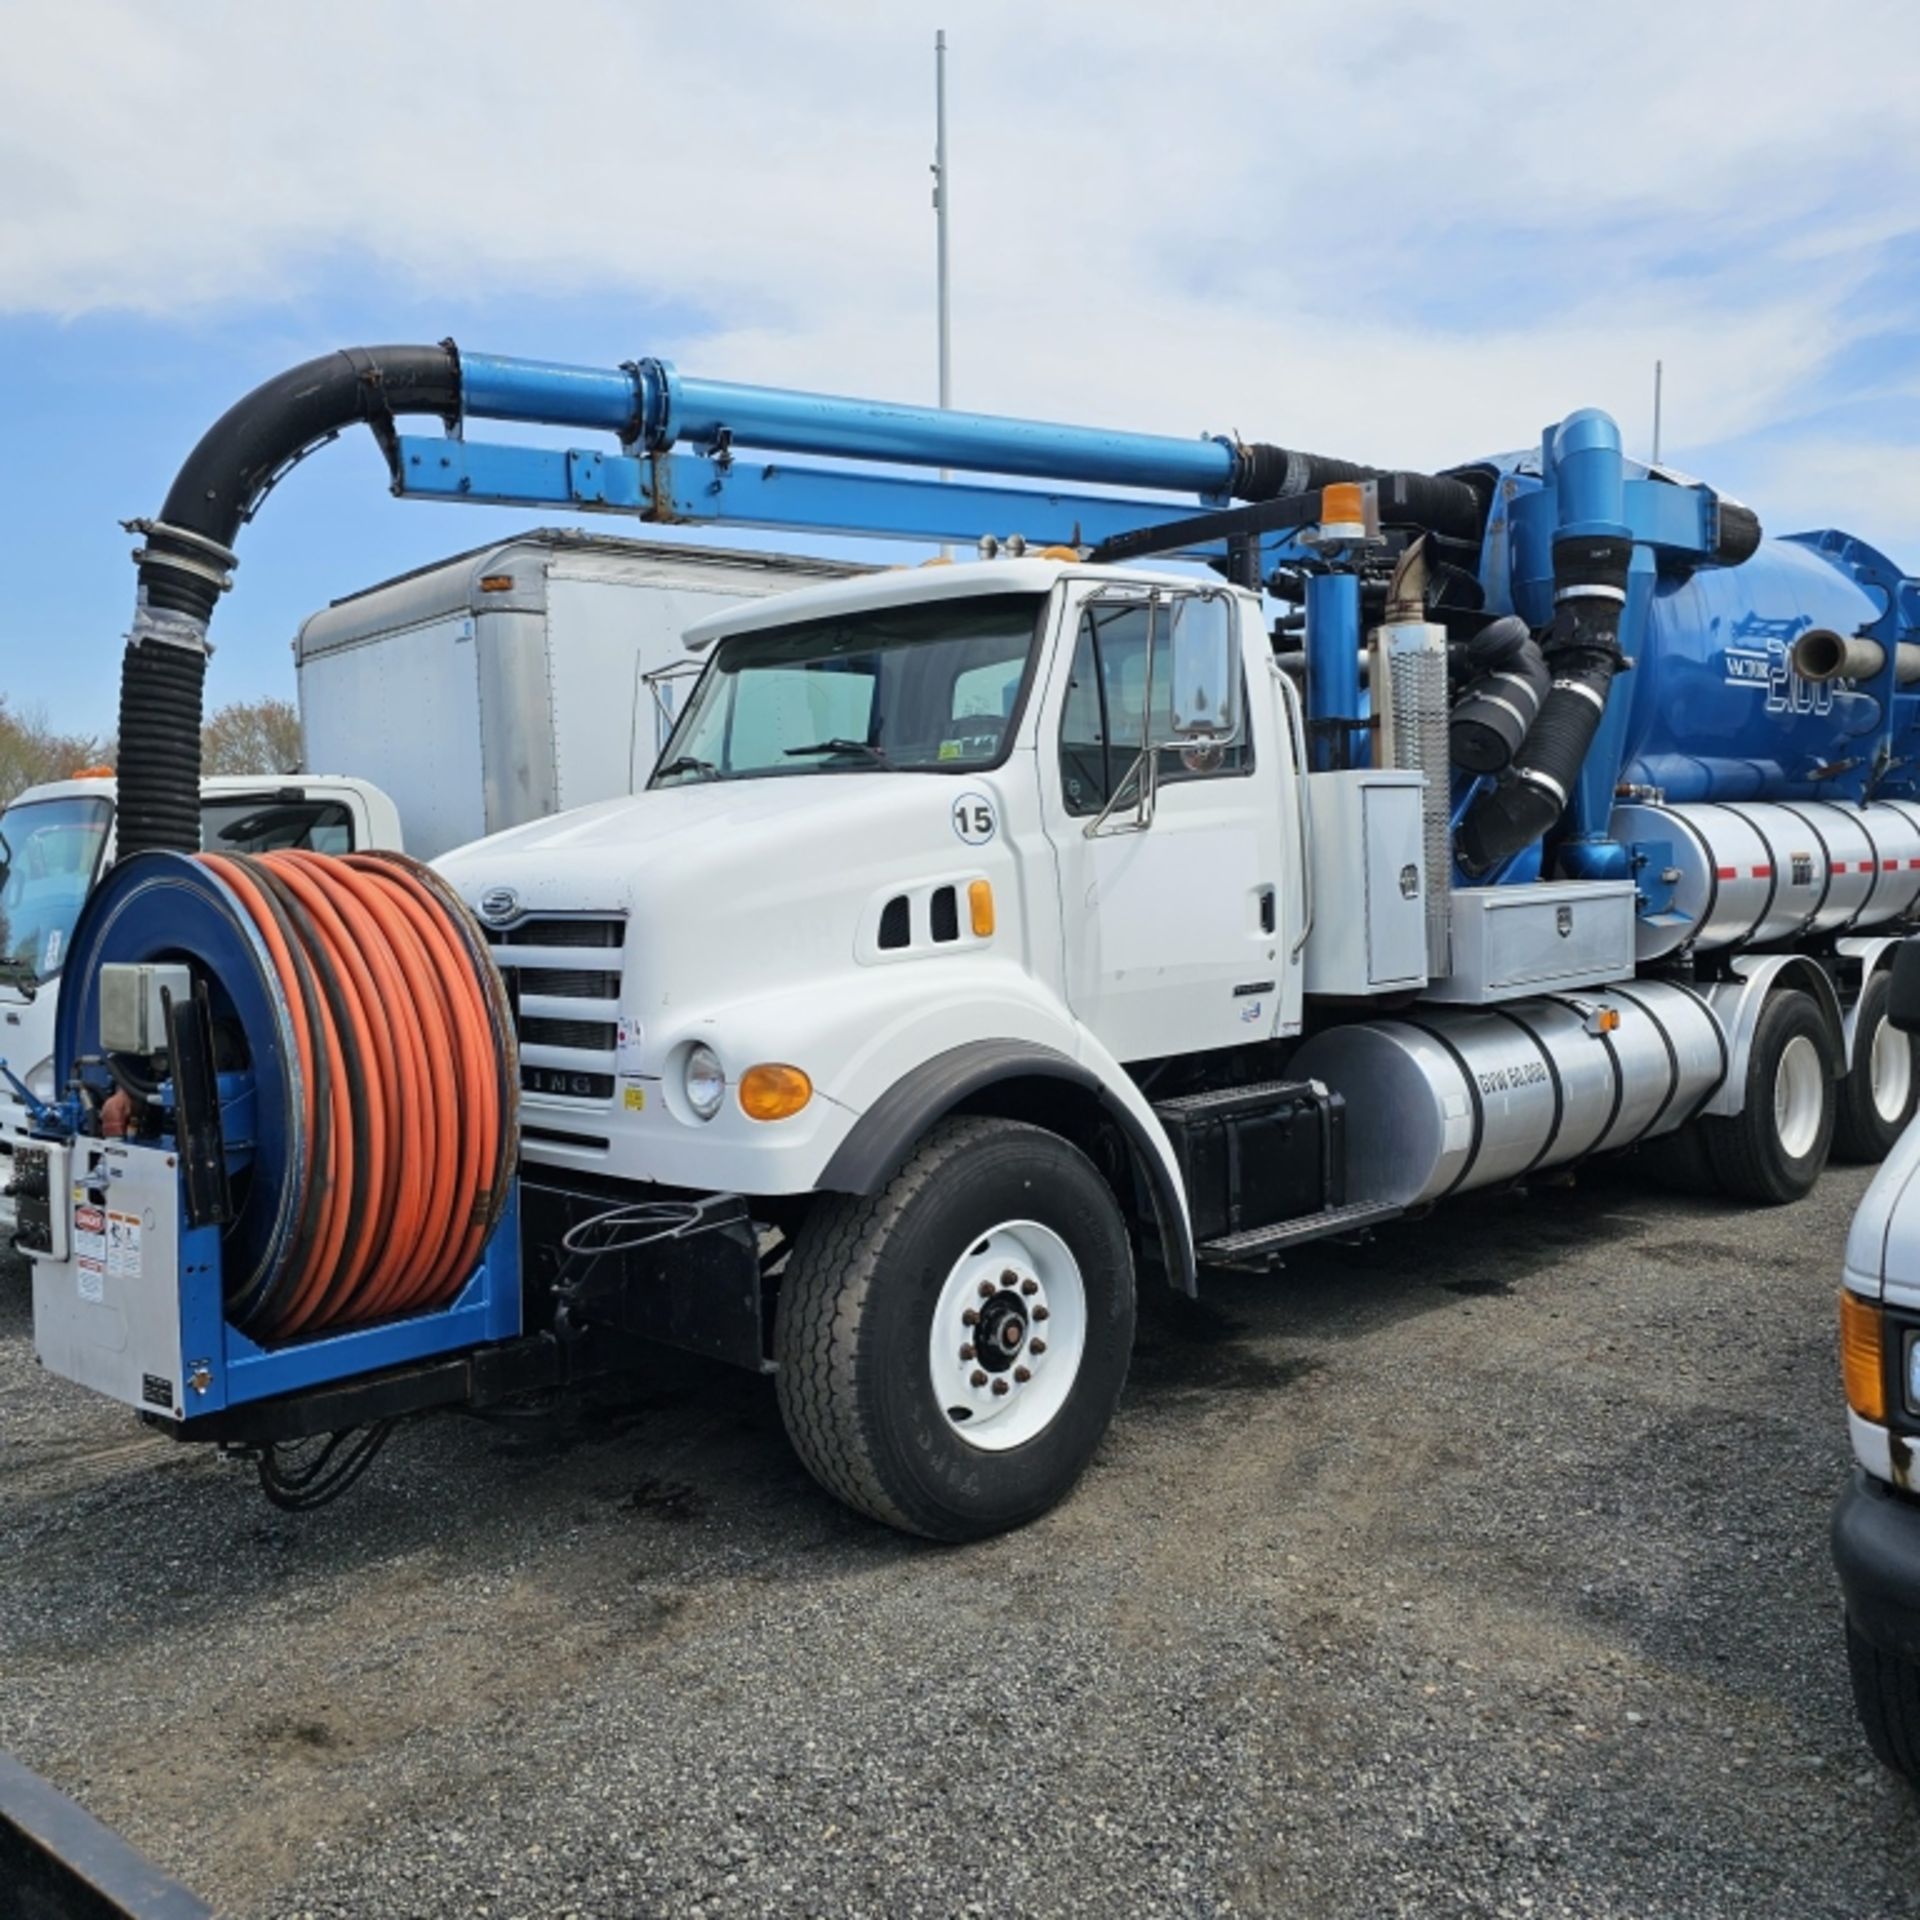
1716	709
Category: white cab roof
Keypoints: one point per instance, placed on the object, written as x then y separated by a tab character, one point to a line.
898	585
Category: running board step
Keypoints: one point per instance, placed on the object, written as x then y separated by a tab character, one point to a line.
1260	1244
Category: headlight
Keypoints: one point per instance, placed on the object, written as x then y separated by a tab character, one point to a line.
704	1082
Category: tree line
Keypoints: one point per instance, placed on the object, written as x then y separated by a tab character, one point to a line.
245	736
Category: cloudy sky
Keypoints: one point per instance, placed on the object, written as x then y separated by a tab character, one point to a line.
1394	232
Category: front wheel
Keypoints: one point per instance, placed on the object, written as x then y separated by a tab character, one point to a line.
1881	1087
1772	1150
1886	1694
952	1349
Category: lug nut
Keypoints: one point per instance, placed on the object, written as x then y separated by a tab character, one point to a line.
969	1318
1040	1313
1000	1386
1029	1287
986	1289
1023	1374
979	1378
1009	1278
1036	1346
966	1353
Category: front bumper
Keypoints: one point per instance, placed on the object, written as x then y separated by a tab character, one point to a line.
1876	1553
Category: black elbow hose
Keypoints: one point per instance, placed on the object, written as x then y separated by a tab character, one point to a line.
1435	502
183	566
1505	693
1583	652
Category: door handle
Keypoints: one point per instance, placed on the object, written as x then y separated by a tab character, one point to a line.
1266	910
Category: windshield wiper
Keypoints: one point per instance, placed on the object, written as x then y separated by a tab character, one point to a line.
22	974
872	752
687	763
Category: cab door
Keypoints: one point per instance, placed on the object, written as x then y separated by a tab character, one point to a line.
1172	907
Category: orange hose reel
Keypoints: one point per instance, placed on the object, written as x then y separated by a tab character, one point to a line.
402	1035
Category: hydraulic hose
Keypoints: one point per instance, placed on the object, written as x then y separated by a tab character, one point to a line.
184	565
1507	686
401	1030
1583	652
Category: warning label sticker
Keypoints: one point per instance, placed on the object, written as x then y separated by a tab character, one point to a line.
90	1251
90	1233
123	1245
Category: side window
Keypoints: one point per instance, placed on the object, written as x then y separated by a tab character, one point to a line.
1101	724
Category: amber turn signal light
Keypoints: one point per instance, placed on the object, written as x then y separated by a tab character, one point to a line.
980	908
773	1092
1861	1359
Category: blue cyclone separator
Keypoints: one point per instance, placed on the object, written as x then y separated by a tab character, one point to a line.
167	907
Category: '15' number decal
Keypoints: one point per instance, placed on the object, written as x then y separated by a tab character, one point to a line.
973	819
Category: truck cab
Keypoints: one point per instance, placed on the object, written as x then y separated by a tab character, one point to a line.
56	840
932	860
937	769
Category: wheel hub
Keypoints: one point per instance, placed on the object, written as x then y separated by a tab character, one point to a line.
1002	1332
1009	1328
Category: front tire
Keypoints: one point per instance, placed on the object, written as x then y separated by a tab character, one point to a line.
1772	1150
1882	1086
997	1240
1886	1694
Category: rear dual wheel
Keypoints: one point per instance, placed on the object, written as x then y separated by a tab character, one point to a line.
1771	1151
1882	1085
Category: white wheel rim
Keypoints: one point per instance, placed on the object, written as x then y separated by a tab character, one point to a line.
1009	1331
1799	1096
1891	1066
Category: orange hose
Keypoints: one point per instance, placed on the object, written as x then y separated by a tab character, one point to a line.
399	1027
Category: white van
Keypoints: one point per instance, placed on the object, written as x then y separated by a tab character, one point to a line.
57	839
1876	1529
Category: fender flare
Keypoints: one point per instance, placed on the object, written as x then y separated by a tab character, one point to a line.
884	1135
1737	1004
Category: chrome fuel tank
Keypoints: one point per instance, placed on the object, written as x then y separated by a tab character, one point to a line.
1445	1099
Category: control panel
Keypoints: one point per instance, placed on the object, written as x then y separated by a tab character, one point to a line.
38	1191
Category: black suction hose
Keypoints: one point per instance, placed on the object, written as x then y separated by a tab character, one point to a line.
1507	685
1583	651
189	550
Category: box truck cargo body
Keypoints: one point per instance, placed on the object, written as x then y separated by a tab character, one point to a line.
519	679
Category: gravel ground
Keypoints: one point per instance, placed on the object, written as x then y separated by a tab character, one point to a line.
1481	1570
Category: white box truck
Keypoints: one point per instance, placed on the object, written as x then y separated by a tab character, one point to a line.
516	680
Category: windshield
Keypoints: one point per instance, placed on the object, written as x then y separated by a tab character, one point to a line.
930	688
50	850
266	822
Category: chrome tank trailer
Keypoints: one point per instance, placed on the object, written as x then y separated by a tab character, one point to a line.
1759	873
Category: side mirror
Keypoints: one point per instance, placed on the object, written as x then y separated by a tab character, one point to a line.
1203	668
1903	990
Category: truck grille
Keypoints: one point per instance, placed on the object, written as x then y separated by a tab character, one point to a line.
566	1003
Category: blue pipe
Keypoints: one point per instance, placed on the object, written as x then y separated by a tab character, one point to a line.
494	387
652	403
1333	668
1583	457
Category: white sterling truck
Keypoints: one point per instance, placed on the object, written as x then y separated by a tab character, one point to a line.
986	933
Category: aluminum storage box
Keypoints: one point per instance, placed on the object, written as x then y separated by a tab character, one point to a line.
1556	934
1369	883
